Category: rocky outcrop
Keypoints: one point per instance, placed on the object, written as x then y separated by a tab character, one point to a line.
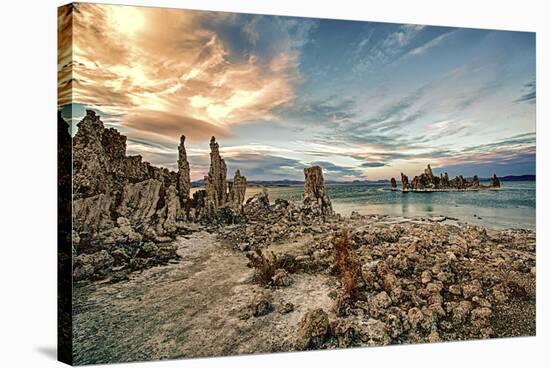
121	200
315	197
100	164
184	178
215	182
169	214
393	184
93	214
427	181
139	202
495	183
404	181
237	191
220	201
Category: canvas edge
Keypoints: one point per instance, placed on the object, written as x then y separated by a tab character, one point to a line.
64	200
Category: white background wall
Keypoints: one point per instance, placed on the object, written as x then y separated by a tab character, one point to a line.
28	180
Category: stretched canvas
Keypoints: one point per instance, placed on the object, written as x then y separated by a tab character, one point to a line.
239	184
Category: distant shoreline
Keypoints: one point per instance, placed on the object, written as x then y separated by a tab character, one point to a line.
294	183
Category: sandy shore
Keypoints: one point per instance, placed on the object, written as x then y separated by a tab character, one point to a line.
421	281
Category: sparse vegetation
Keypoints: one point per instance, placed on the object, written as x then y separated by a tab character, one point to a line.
347	266
265	267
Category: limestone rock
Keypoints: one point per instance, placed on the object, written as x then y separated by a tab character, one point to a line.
237	191
184	179
100	164
139	202
170	212
93	214
427	181
315	197
376	332
282	278
313	330
393	184
96	263
404	181
261	305
257	205
215	182
495	182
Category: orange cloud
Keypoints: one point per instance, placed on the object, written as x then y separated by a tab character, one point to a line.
166	65
159	126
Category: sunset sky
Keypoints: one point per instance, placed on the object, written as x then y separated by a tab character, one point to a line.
363	100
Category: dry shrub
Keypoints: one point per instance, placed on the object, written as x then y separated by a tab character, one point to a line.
346	265
265	267
516	291
512	285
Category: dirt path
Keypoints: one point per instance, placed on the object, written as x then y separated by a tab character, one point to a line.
189	308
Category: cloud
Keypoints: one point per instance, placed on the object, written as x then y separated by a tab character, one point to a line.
373	164
402	37
159	126
431	43
174	64
386	49
337	172
529	93
256	166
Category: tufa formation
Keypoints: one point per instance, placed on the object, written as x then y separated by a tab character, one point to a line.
126	212
315	196
427	181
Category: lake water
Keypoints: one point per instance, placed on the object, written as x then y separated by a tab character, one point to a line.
513	206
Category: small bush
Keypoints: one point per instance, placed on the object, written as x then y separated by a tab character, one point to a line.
347	266
264	267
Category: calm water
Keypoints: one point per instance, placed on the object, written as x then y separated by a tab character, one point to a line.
513	206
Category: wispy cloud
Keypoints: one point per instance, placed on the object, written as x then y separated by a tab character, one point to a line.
431	43
373	164
529	93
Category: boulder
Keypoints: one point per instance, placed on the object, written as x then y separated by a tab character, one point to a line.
313	330
282	278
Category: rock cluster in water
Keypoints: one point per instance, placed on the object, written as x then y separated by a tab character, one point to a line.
427	181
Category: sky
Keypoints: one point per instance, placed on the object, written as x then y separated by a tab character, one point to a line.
363	100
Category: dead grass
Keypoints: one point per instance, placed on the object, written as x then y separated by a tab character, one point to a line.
266	266
347	266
